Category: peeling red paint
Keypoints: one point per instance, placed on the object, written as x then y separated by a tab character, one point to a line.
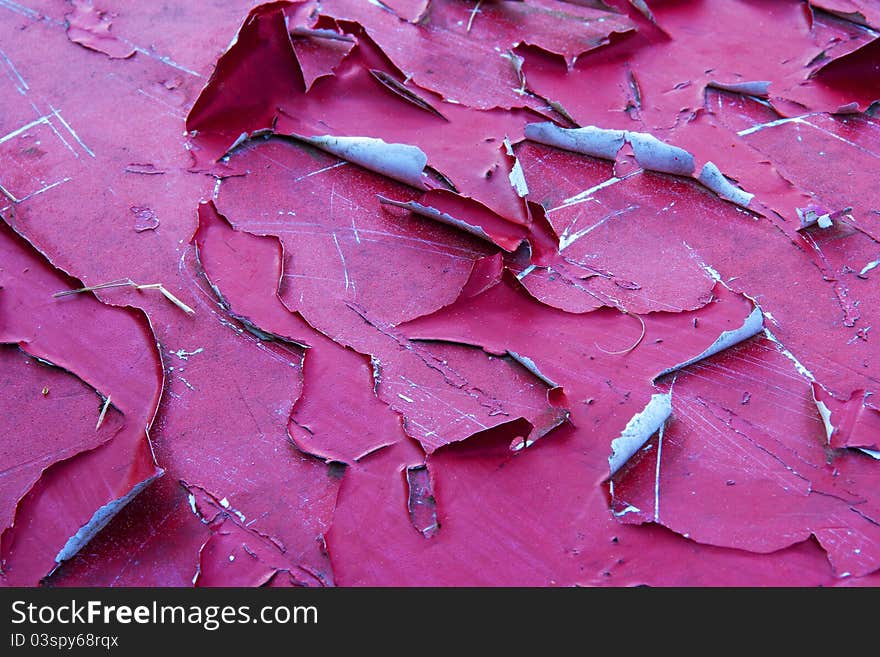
439	292
75	490
90	27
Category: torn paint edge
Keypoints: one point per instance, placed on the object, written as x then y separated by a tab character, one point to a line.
752	325
639	430
442	217
516	176
100	519
532	367
756	88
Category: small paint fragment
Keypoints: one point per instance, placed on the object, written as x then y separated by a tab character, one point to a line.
90	27
144	219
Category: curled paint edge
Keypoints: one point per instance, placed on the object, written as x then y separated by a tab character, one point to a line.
517	176
824	412
757	88
589	140
712	178
752	325
653	154
402	162
100	519
639	429
532	367
825	415
442	217
539	432
650	152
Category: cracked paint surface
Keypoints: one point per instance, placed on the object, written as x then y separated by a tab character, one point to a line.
439	292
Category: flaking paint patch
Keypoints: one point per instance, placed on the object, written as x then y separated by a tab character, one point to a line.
656	78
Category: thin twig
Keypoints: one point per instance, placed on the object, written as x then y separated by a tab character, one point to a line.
127	282
473	15
8	194
637	342
122	282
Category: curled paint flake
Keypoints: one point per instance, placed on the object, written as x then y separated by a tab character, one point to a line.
752	325
639	430
401	162
712	178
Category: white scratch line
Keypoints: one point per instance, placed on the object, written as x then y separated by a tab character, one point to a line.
657	476
165	60
587	194
18	9
315	173
217	184
839	138
39	191
773	124
57	114
21	85
525	272
629	509
57	134
566	240
298	228
175	111
24	128
354	229
63	140
47	188
342	257
803	371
